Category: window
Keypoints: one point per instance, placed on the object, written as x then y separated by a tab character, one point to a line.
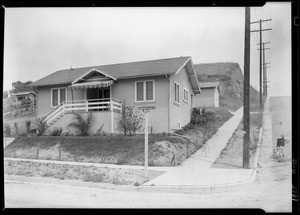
185	95
176	93
58	95
144	91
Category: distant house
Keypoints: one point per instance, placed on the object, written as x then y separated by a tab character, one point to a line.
19	96
165	87
209	96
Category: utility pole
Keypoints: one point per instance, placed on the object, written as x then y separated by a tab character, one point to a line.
246	147
260	55
264	68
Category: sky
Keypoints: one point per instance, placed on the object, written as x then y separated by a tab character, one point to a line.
40	41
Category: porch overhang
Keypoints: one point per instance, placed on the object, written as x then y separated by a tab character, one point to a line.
92	84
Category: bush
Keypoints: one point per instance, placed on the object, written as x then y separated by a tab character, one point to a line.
7	131
93	177
82	125
27	123
56	132
202	119
41	126
130	122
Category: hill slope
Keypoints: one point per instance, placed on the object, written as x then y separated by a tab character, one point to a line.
231	81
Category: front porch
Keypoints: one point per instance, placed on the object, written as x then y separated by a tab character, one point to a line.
105	111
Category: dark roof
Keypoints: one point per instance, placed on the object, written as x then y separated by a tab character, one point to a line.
215	68
208	84
119	71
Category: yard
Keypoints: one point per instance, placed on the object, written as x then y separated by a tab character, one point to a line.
81	173
119	149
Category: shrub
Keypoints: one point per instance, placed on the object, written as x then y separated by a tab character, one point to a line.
7	130
202	119
82	125
41	126
56	132
130	122
27	123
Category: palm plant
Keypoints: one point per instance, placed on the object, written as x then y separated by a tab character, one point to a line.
81	124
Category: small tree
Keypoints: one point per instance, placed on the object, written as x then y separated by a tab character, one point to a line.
82	125
41	126
130	122
16	128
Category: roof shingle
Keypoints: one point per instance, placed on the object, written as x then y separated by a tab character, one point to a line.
119	71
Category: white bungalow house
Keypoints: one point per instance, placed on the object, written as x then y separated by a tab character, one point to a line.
166	87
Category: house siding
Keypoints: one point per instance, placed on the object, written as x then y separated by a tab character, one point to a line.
124	90
209	97
44	98
180	114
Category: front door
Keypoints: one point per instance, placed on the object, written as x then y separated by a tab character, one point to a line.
98	95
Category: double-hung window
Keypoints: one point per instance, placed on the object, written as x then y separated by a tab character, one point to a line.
58	95
144	91
176	93
185	95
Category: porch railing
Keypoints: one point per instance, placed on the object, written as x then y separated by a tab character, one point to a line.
84	105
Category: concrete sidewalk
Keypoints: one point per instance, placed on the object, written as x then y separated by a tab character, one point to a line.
196	170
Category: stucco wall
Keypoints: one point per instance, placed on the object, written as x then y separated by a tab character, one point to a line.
209	97
180	113
124	89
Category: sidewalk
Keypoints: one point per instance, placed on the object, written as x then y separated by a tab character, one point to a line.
195	172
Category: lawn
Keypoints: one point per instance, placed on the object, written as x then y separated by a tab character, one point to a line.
118	149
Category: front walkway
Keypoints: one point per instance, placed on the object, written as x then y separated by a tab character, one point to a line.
196	170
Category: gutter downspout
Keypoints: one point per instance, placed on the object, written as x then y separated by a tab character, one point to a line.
169	104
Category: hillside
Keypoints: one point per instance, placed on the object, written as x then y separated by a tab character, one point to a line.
231	81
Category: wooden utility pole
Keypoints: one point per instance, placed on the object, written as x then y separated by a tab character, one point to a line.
260	56
264	67
246	147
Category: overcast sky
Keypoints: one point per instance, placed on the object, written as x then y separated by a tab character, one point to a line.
40	41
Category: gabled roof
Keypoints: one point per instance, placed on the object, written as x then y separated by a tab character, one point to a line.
119	71
24	93
208	84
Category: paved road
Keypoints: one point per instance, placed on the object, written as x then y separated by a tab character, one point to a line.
271	192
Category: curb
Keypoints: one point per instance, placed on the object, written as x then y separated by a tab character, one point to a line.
100	165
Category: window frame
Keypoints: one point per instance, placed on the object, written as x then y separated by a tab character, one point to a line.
58	95
144	91
176	83
187	94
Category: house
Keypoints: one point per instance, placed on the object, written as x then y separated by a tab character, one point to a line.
19	96
165	87
209	96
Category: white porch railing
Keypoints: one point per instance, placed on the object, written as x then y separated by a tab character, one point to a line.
84	105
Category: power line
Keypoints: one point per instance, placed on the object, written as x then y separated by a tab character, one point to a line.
200	43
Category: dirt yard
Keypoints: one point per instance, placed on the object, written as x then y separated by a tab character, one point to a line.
232	155
82	173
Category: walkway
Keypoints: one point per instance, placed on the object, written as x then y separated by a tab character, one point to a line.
196	170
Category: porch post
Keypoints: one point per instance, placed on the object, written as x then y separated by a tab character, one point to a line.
111	111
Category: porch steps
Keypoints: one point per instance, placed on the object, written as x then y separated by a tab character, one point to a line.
55	120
